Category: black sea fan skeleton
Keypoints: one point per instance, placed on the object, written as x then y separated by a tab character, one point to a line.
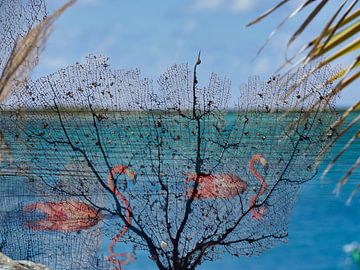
169	171
18	48
17	18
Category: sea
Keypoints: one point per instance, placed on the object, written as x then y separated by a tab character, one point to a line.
322	224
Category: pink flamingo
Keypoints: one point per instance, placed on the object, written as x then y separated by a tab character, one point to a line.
223	185
120	169
66	216
258	213
72	216
226	185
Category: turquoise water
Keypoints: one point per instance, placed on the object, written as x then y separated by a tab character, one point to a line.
321	224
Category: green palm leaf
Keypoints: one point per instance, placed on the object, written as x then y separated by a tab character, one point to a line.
337	39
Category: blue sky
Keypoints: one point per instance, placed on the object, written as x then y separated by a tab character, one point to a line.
153	35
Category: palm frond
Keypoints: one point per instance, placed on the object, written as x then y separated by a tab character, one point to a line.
344	180
332	27
355	45
339	154
291	15
341	120
307	21
25	53
268	12
353	193
337	39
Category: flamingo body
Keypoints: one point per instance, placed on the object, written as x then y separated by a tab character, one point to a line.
65	216
72	216
226	185
215	186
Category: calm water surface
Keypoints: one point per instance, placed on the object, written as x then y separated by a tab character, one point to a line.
321	224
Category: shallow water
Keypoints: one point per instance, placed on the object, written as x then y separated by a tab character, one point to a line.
320	225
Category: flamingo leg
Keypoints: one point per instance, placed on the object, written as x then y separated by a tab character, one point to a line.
120	169
258	213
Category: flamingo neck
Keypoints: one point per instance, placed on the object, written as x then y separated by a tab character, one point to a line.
257	158
120	169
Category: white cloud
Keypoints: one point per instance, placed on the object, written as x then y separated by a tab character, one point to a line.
242	5
262	66
53	63
229	5
89	2
208	4
107	43
190	26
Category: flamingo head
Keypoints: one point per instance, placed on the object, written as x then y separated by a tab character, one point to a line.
259	158
264	163
131	174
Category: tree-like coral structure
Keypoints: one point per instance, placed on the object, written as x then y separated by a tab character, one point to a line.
17	18
168	170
